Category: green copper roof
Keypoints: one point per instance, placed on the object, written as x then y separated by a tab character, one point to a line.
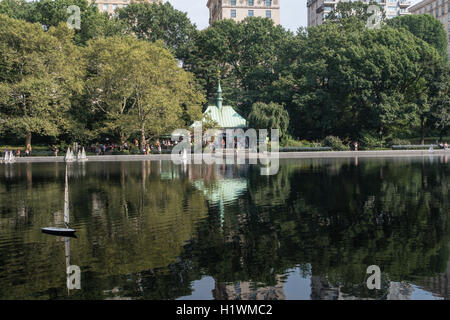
226	117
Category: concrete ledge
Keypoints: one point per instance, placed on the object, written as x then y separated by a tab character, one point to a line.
281	155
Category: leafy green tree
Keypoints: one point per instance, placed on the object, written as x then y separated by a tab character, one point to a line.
247	55
439	115
39	72
48	13
269	116
108	83
349	79
425	27
153	21
17	9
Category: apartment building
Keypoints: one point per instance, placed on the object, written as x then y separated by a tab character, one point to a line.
240	9
440	9
111	5
318	10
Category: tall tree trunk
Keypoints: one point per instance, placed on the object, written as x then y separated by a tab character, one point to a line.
422	129
28	139
143	141
122	138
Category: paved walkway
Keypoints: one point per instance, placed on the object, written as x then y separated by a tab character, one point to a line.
281	155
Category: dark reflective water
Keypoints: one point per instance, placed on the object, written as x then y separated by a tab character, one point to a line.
155	230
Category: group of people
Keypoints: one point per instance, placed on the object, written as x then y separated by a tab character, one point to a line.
158	146
102	149
18	152
443	145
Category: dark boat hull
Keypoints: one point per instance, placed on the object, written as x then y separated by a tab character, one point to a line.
65	232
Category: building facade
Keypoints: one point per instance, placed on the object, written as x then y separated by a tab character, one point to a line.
240	9
318	10
440	9
111	5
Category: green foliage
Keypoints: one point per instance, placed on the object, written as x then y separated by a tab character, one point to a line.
246	53
346	80
339	78
269	116
397	142
152	21
39	73
414	147
425	27
139	87
50	13
335	143
370	140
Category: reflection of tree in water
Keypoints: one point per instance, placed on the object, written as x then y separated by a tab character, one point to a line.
393	214
146	230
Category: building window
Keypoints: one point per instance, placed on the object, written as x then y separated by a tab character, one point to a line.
114	6
124	6
268	14
250	2
105	7
233	2
268	3
233	13
251	13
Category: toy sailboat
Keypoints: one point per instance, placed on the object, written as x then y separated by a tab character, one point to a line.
69	156
66	232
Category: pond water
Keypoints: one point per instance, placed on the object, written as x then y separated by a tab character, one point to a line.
157	230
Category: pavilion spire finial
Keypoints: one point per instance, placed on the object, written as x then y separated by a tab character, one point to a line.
219	93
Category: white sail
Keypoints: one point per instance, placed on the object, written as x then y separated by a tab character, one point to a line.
69	155
82	155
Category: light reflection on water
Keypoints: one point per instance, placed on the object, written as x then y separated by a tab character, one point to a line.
156	230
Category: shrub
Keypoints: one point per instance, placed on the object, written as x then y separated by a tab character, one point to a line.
335	143
369	141
304	149
123	152
414	147
399	142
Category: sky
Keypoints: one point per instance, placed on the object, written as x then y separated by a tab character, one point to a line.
293	12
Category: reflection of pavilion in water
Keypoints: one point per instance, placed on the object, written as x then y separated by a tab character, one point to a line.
220	184
247	291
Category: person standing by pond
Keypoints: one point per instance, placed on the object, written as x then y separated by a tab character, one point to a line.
158	144
28	150
355	145
55	151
